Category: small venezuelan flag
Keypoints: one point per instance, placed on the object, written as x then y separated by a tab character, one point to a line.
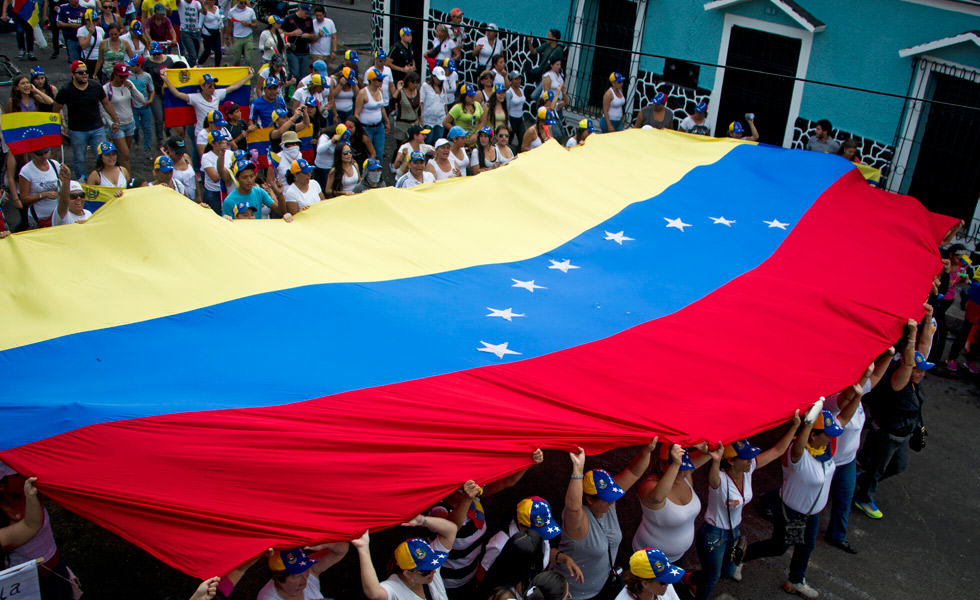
258	140
307	145
29	131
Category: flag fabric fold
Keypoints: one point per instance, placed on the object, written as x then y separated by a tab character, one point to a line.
440	334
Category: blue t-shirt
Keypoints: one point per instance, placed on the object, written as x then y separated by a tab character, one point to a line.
261	110
257	198
70	14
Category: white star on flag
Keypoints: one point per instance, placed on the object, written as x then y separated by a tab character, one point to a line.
618	237
498	349
562	266
675	571
676	223
435	561
527	285
507	313
775	223
722	221
552	530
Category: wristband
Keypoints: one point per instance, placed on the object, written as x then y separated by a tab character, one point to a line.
578	476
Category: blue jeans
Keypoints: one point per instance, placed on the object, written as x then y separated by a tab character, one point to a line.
190	42
73	50
299	64
777	546
841	495
714	546
143	116
377	135
212	199
80	141
616	125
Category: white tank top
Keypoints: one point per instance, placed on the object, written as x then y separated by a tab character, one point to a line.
439	173
347	183
535	142
462	162
718	509
188	177
671	528
119	182
616	106
503	159
515	103
345	100
371	111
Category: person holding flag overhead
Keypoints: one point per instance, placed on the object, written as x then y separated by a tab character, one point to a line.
532	514
294	573
417	564
208	99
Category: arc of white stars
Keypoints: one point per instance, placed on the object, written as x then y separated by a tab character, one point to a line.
499	350
618	237
563	265
507	313
722	221
775	223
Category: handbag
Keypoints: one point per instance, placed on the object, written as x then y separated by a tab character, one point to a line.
918	440
736	554
795	529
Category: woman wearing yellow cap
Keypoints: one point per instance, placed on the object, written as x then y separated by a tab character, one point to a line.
592	533
540	132
417	563
729	490
650	576
297	575
613	102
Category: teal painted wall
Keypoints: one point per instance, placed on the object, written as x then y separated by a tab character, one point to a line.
536	18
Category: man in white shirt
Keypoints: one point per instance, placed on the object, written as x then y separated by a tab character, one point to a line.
696	122
208	99
325	46
417	175
242	21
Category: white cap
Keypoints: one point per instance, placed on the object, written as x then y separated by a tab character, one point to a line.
75	186
492	26
439	73
441	142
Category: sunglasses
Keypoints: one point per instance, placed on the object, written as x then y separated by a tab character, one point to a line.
346	152
76	195
81	72
503	135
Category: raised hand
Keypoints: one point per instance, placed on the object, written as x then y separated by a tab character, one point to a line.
471	489
363	541
578	461
537	456
676	454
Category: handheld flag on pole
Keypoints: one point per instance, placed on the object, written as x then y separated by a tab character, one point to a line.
27	10
258	140
30	131
177	113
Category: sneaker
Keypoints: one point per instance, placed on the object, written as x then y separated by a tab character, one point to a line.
870	509
30	56
21	55
737	574
972	367
800	589
843	545
951	365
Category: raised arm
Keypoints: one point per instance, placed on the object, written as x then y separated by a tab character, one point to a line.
369	577
924	344
173	89
881	366
64	179
903	374
799	444
444	529
714	472
653	493
637	467
755	132
19	533
327	554
779	449
576	522
470	491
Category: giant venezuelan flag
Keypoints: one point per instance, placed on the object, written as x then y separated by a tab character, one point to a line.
253	384
177	113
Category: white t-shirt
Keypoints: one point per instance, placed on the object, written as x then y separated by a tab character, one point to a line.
322	45
449	88
462	162
804	480
187	177
190	15
69	218
324	152
267	44
213	20
571	143
409	181
487	51
178	185
515	103
210	159
433	105
499	540
92	52
670	594
41	181
688	125
202	107
850	440
312	591
239	15
445	48
301	94
397	590
718	511
303	199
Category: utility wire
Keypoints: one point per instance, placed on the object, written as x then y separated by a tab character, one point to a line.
665	57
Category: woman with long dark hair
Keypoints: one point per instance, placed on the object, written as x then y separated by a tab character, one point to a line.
484	156
26	97
343	176
40	80
108	172
495	113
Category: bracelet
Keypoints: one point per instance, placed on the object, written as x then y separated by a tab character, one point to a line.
578	476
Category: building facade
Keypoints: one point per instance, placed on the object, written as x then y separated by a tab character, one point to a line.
778	57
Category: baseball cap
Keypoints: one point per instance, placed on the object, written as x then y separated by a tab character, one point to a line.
208	78
305	6
290	137
469	89
922	363
241	165
614	77
120	70
320	67
89	15
216	118
492	27
439	73
316	79
277	114
456	12
160	9
105	148
828	424
416	156
741	449
163	164
652	563
660	99
37	71
371	164
311	101
155	47
375	74
686	464
300	166
735	127
135	60
588	124
456	132
380	54
499	88
271	82
136	27
228	107
240	154
416	554
216	136
535	514
176	144
274	20
702	107
547	95
78	66
351	55
515	75
547	116
487	130
599	483
449	64
293	561
441	142
404	31
75	186
414	130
